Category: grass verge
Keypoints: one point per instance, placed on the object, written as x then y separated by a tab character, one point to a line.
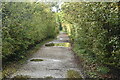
48	77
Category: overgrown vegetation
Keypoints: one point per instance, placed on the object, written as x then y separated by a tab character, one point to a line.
73	74
24	25
21	77
94	28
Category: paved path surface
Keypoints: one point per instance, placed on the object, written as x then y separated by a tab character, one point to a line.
56	61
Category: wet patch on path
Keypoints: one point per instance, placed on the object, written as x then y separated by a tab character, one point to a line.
65	44
36	60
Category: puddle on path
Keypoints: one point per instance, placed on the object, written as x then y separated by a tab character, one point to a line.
49	44
65	44
36	60
44	59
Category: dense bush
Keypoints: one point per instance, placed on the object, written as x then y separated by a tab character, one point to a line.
24	25
95	30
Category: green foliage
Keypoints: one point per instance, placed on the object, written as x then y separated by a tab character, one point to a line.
103	70
95	30
24	25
